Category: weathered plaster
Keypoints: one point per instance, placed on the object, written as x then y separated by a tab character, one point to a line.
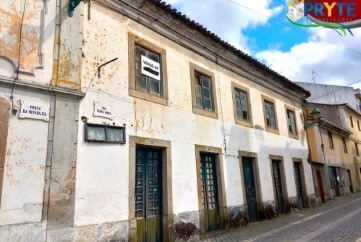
19	27
24	166
175	122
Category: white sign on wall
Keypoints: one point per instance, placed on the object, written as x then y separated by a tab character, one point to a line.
150	68
34	110
101	110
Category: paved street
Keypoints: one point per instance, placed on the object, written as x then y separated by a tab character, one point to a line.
337	220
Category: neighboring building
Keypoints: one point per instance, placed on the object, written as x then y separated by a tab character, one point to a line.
175	125
334	145
39	100
332	94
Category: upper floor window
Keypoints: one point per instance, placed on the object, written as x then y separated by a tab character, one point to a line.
241	105
291	121
356	147
351	121
330	139
344	145
270	115
203	91
147	70
358	125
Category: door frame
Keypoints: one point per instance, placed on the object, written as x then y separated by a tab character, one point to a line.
257	183
350	180
283	180
220	182
303	181
4	128
167	201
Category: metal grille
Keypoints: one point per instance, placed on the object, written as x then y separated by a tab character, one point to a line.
148	183
209	182
153	183
277	178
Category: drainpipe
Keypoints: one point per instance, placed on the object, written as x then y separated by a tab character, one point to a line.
324	158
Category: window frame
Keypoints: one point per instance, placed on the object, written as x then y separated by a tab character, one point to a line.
330	140
356	147
197	110
106	128
268	128
245	122
290	109
134	40
351	121
344	144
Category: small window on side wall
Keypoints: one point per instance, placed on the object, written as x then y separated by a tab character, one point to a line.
351	121
291	122
356	148
330	139
344	145
104	133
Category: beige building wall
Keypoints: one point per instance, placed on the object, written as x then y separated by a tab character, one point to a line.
354	158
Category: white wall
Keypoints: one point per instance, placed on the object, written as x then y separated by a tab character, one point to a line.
25	163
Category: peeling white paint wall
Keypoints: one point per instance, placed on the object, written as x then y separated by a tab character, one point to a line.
23	184
25	162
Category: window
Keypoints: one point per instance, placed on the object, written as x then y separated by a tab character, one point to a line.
104	133
203	91
344	145
4	126
356	147
151	81
147	71
330	139
270	115
242	106
291	122
351	121
358	125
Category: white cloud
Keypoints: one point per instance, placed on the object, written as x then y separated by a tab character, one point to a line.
334	58
227	18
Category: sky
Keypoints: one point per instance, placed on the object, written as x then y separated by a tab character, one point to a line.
260	28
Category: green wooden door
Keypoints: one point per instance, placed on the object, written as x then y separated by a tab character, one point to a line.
277	178
148	194
210	192
250	188
299	187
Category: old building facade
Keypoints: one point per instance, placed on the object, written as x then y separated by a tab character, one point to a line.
334	148
39	100
153	120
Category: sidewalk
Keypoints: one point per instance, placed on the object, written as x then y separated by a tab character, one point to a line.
260	230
